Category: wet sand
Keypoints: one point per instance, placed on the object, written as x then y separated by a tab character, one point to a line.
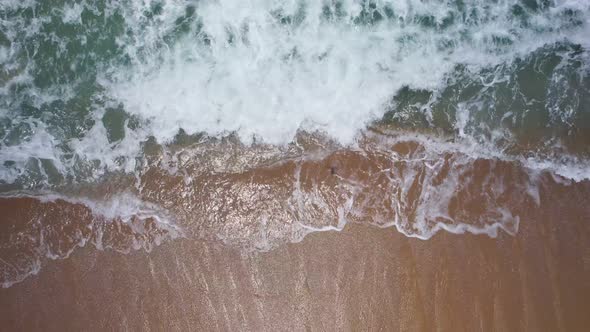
362	278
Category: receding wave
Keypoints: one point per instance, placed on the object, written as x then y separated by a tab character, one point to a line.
257	197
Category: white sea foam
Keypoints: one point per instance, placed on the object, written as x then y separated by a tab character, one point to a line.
37	146
122	206
313	71
274	79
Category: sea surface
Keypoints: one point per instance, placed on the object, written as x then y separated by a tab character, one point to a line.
295	165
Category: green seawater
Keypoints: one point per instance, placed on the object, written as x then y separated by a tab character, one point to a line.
514	74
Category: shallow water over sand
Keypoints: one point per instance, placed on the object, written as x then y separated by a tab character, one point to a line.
226	258
360	279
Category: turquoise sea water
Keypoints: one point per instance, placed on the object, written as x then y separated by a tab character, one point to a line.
84	83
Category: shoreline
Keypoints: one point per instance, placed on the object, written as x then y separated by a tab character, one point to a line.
137	274
363	276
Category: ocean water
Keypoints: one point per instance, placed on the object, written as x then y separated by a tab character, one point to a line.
255	123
